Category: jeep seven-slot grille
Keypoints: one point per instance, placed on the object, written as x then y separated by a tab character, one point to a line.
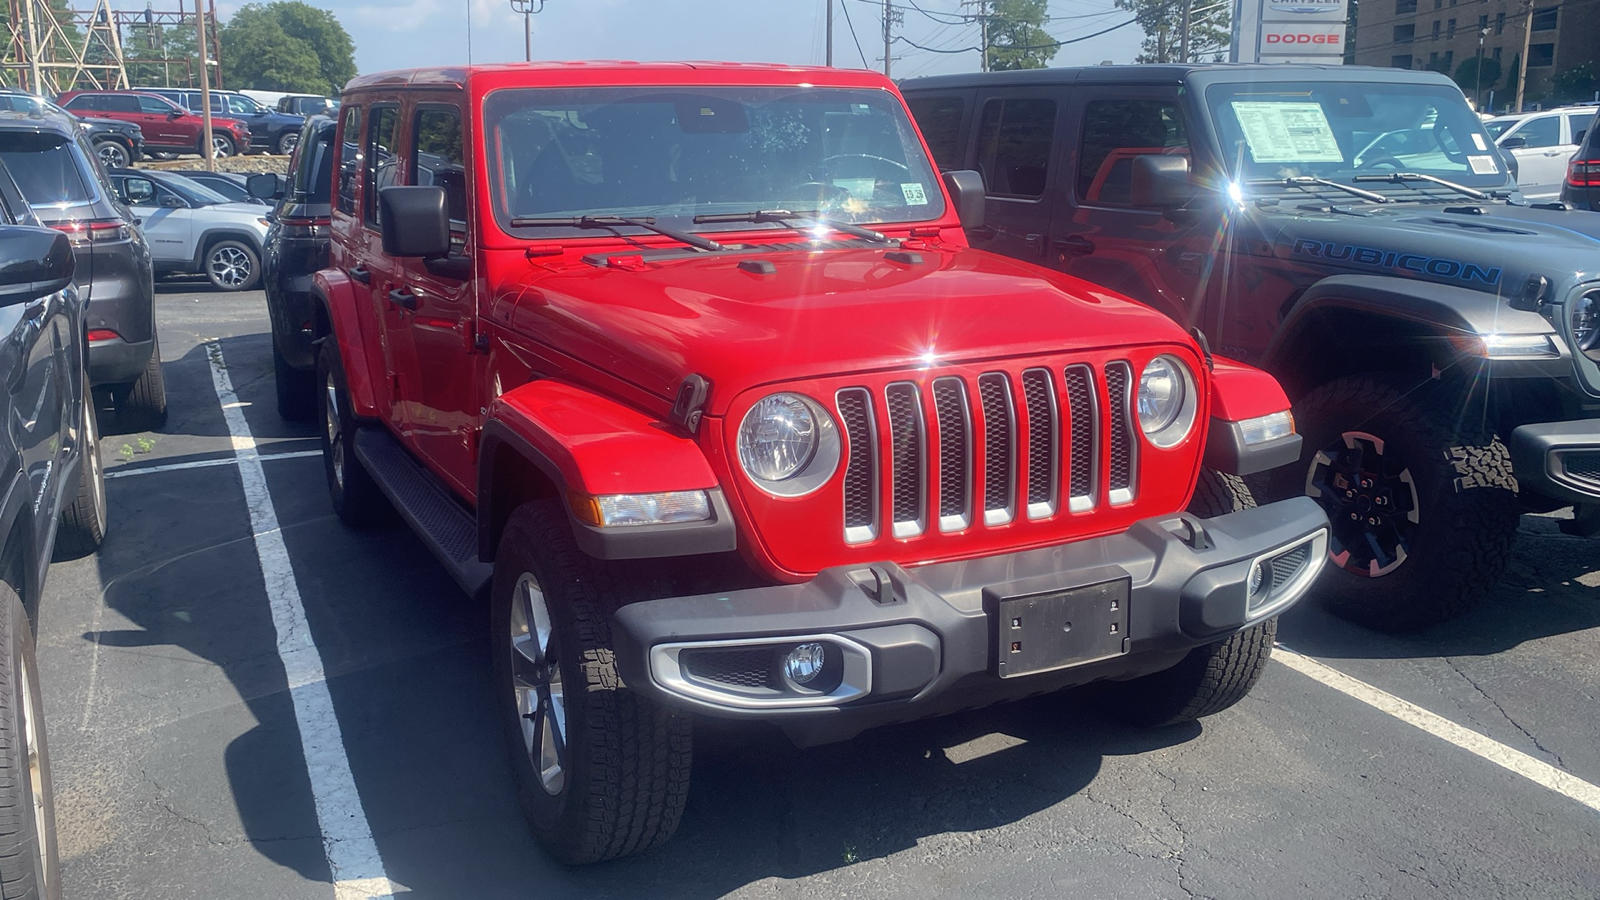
1032	436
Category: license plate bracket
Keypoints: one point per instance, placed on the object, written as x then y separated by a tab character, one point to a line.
1044	631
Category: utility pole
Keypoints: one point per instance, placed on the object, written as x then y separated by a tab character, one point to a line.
207	148
1477	89
527	9
888	36
1527	39
982	17
829	17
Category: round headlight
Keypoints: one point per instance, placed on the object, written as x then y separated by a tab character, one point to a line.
1166	401
1585	319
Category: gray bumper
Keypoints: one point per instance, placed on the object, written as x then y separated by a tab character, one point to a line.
909	643
1560	460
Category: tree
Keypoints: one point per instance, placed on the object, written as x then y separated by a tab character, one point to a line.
288	46
1017	39
1210	29
1575	83
1471	76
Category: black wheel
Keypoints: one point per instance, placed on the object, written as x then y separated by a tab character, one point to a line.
83	520
1420	499
287	142
142	406
601	771
297	389
233	265
113	154
29	863
1207	681
1218	493
356	497
222	145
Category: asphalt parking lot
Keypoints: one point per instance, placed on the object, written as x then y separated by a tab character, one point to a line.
181	772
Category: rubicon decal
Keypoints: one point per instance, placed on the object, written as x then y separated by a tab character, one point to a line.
1409	263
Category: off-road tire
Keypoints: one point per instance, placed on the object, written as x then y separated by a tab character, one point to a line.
1218	493
297	389
24	871
1207	681
628	759
113	153
356	497
142	406
83	520
230	255
1466	494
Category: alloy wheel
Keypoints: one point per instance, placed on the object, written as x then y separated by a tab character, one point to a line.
112	155
36	786
536	681
332	430
230	267
221	146
1371	501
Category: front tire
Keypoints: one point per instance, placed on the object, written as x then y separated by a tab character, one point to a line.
113	155
83	521
356	497
287	142
142	406
1421	500
232	266
29	862
222	145
601	771
1207	681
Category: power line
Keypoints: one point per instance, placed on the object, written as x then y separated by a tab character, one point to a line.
1052	45
847	21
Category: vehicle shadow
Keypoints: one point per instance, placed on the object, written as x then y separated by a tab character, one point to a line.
192	400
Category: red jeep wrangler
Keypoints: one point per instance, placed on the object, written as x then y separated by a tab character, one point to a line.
691	368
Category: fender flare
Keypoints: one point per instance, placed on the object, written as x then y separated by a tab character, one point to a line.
586	445
335	292
1240	392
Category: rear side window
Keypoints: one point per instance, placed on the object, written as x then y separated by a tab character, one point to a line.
349	160
313	168
45	168
1116	131
1014	145
380	159
939	118
1577	124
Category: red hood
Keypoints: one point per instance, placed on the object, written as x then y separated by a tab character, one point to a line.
820	313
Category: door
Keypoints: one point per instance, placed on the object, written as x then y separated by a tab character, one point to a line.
380	168
169	125
167	221
1542	159
1098	233
439	368
1016	142
44	356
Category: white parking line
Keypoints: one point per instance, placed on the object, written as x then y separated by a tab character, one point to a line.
346	837
1536	771
207	463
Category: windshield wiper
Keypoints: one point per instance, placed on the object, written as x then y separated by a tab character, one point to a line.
1308	180
693	240
786	217
1403	177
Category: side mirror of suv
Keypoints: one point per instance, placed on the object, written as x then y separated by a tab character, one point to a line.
416	221
1160	182
1513	143
966	189
34	262
265	186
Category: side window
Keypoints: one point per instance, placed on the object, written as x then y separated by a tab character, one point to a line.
1014	146
1544	131
241	106
939	118
84	102
349	159
380	159
437	158
1578	126
153	105
1116	131
122	103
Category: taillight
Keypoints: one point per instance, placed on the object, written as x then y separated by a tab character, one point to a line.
297	227
94	231
102	334
1583	173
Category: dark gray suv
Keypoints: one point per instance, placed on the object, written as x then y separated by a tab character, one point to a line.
60	174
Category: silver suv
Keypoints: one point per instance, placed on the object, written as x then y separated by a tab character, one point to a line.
193	229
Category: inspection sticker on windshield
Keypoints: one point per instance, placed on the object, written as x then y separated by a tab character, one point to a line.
1287	132
915	195
1478	140
1483	165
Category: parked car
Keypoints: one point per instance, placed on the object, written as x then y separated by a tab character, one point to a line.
1436	332
270	131
54	506
168	127
1581	188
1543	143
693	370
296	248
195	230
54	165
307	105
116	143
231	185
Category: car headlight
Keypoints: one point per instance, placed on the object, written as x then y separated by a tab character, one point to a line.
1585	318
1166	401
788	444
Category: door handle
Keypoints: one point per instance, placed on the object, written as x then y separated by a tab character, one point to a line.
1075	245
1035	243
361	274
403	298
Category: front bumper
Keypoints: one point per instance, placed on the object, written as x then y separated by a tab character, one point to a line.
909	643
1559	460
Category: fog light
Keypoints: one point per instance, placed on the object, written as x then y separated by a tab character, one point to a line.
1256	575
804	663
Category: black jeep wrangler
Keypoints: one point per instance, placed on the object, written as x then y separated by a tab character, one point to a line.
1355	232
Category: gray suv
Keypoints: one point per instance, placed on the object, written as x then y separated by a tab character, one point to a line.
60	174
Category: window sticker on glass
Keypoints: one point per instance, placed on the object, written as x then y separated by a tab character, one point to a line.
1295	132
1477	140
1483	165
915	195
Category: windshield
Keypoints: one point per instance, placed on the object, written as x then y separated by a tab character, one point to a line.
677	153
192	191
1341	131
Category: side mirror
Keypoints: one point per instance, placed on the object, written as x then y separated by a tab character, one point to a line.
1513	143
34	263
1159	181
176	114
966	190
265	186
416	221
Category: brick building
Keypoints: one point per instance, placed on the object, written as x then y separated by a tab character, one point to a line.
1439	34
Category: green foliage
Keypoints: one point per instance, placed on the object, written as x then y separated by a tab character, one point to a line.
1210	31
1017	39
141	46
288	46
1468	74
1576	83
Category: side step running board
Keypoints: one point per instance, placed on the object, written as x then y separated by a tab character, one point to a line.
448	529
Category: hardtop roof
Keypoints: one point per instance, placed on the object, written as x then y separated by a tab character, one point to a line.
1167	73
615	72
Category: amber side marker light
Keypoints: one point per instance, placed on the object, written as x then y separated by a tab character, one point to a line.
622	510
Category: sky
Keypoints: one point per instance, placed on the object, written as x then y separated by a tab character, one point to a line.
434	32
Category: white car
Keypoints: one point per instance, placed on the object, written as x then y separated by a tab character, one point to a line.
1543	143
193	229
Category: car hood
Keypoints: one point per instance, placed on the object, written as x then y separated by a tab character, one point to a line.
248	214
816	313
